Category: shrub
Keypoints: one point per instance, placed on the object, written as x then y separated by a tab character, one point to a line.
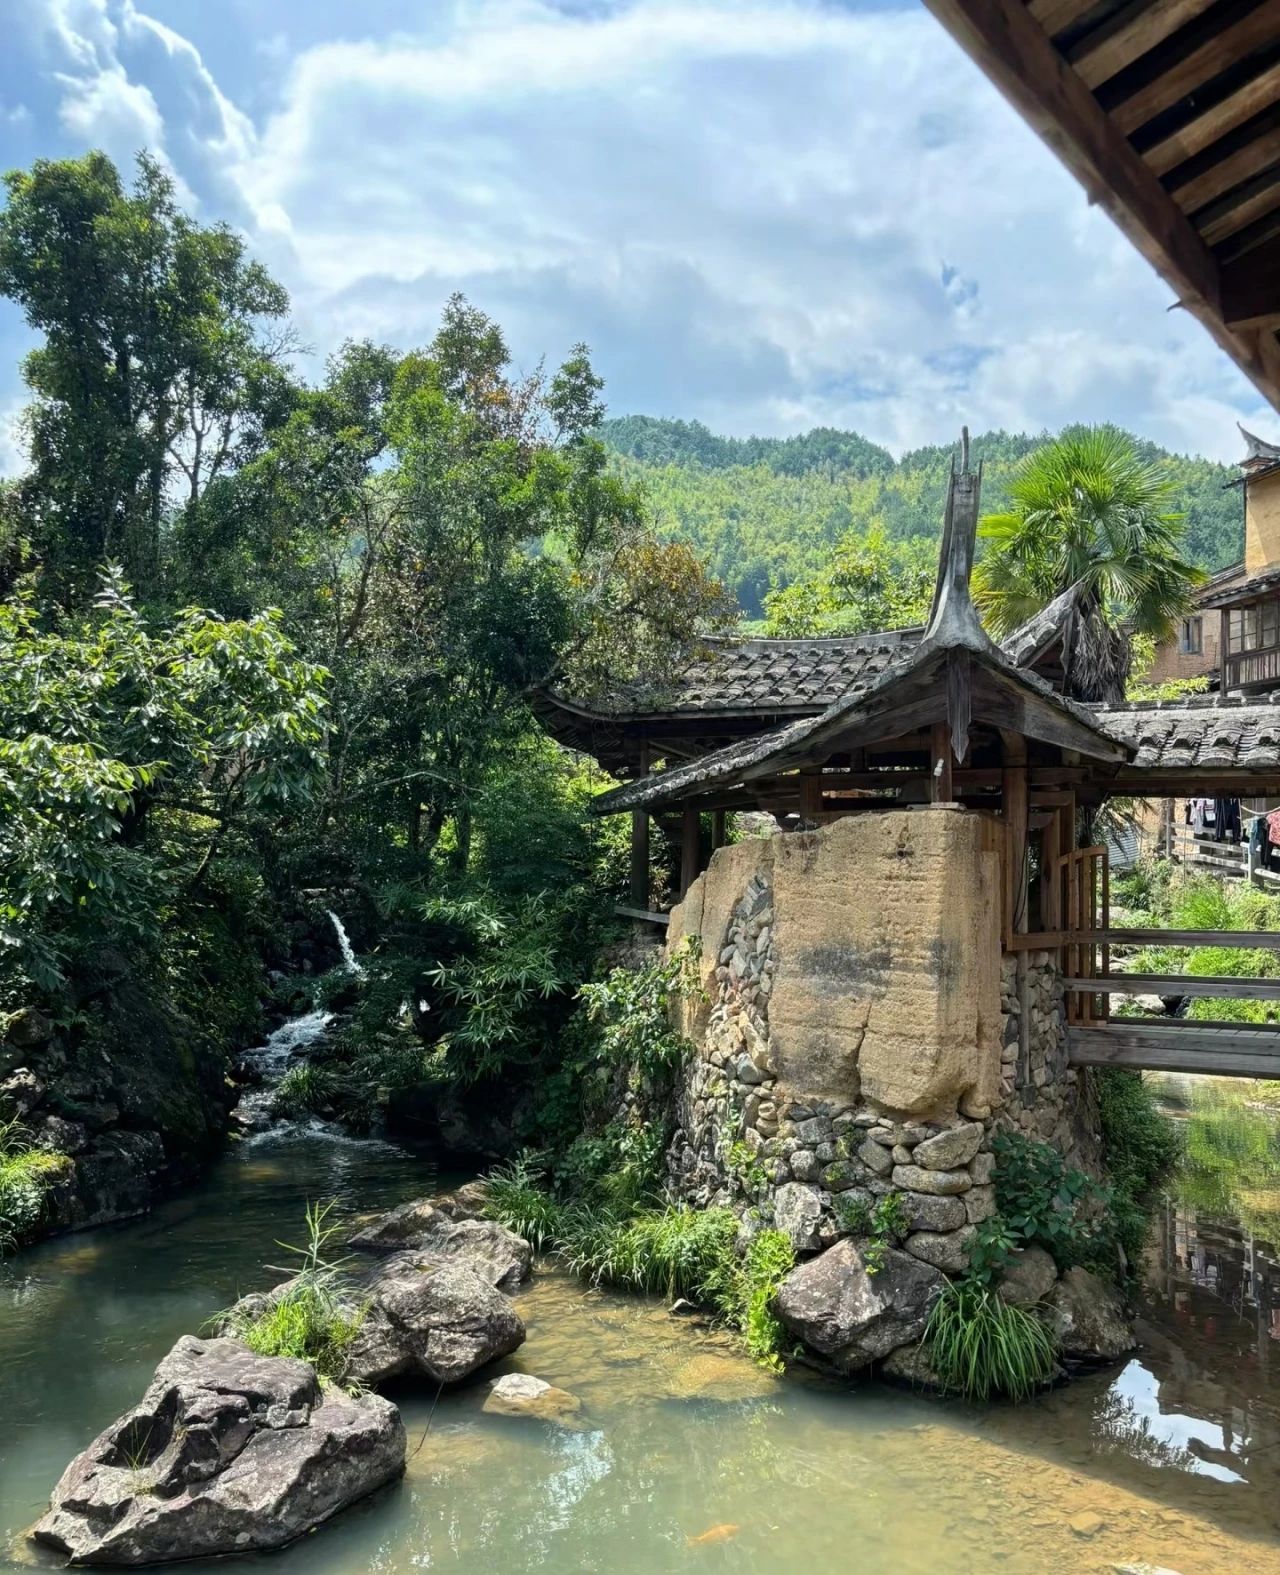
304	1090
308	1318
674	1251
1141	1147
631	1006
745	1294
517	1199
26	1174
1043	1203
981	1346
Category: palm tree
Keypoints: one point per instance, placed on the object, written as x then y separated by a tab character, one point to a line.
1086	510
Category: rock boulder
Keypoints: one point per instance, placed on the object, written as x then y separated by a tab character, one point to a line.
422	1235
521	1394
442	1323
853	1317
227	1453
1028	1277
1088	1317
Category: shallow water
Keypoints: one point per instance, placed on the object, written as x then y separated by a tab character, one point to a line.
1177	1452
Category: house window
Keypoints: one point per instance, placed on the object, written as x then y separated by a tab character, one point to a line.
1255	628
1191	637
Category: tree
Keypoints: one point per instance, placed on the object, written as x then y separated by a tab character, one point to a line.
871	583
154	366
108	726
1087	510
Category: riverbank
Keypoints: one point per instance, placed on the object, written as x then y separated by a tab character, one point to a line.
682	1435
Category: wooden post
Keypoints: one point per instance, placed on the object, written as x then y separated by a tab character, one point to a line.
1013	804
1224	623
717	829
940	781
640	846
690	848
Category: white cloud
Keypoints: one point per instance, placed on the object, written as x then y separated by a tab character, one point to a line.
13	453
765	213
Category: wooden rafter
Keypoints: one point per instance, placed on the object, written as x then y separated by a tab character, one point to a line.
1156	66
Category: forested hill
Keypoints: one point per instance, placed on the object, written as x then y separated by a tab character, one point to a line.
766	512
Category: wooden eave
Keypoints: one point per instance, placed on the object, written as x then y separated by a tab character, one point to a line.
1168	113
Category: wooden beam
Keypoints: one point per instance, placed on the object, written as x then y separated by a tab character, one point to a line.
1250	160
690	847
1055	16
1240	940
1214	122
1015	809
644	915
718	835
1221	49
1250	294
640	847
1129	34
1010	45
941	784
1260	197
1178	984
1114	1045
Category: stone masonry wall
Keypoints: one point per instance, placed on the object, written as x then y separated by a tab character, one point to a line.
815	1155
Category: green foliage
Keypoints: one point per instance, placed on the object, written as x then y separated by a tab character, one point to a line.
1043	1203
308	1319
768	514
880	1225
744	1288
517	1198
980	1345
871	583
674	1251
1141	1146
1143	647
631	1005
26	1174
305	1090
1088	510
1231	1164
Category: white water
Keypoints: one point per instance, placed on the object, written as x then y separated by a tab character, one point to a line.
350	961
271	1061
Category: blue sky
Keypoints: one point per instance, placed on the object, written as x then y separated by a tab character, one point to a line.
766	214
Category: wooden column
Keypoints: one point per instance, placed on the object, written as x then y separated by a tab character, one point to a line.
690	848
640	846
1013	800
1224	623
717	829
941	790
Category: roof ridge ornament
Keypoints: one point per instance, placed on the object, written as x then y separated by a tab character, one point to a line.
953	619
1260	451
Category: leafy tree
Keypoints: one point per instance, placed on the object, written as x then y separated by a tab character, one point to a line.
153	367
872	583
1087	510
114	733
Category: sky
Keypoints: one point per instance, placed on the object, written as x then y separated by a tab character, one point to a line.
767	215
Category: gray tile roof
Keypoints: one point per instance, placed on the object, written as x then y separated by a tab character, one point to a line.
1199	734
763	675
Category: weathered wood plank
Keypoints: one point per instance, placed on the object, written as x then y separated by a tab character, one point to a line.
1248	940
1254	200
1247	101
1229	44
1129	34
1252	159
644	914
1178	984
1249	294
1100	1046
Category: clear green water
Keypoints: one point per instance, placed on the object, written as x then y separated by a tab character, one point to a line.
1177	1452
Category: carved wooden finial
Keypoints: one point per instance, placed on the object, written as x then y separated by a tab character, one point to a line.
964	449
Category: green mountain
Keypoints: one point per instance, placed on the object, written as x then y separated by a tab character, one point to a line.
765	512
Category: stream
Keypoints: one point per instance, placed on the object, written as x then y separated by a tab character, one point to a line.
690	1457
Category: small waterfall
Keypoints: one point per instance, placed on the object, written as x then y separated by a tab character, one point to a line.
271	1061
350	961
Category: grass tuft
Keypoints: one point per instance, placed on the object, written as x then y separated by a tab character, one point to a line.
981	1346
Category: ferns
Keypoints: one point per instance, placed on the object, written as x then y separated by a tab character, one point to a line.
981	1346
26	1174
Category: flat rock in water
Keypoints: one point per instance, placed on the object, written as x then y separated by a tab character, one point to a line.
423	1235
227	1453
442	1323
466	1202
851	1316
521	1394
710	1376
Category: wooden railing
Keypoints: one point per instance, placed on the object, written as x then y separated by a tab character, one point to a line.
1254	667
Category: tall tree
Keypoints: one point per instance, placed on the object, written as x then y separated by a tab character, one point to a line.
154	366
1088	510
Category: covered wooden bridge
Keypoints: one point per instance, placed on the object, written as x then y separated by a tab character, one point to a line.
809	731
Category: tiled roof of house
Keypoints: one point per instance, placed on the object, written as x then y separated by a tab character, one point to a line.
1201	733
